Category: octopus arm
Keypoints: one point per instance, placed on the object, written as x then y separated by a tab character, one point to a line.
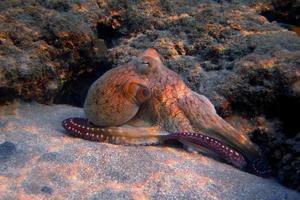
199	141
125	135
203	116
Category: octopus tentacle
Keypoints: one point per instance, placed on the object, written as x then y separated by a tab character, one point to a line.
80	127
126	135
260	167
221	149
206	118
256	165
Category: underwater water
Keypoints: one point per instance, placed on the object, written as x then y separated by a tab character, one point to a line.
243	56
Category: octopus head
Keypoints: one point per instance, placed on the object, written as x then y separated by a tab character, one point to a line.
116	97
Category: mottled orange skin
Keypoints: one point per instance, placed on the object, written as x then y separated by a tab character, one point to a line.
172	107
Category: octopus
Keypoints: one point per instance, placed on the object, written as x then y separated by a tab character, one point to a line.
143	102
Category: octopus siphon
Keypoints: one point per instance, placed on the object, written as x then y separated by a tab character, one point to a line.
145	103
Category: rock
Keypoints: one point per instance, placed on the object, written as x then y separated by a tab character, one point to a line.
247	62
45	45
47	163
7	149
288	10
283	153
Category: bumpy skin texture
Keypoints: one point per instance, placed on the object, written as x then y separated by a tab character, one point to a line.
145	103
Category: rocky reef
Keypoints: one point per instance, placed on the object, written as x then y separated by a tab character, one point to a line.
249	67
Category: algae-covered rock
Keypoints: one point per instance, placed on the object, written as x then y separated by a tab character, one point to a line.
46	44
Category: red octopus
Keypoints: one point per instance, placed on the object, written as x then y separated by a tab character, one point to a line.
145	103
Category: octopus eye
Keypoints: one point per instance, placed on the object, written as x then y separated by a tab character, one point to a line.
137	92
145	92
145	62
142	94
143	65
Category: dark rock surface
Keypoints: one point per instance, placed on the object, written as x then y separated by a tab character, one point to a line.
247	66
284	153
42	162
287	10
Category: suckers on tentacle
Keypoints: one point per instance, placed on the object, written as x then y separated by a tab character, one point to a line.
125	135
200	140
81	128
258	166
